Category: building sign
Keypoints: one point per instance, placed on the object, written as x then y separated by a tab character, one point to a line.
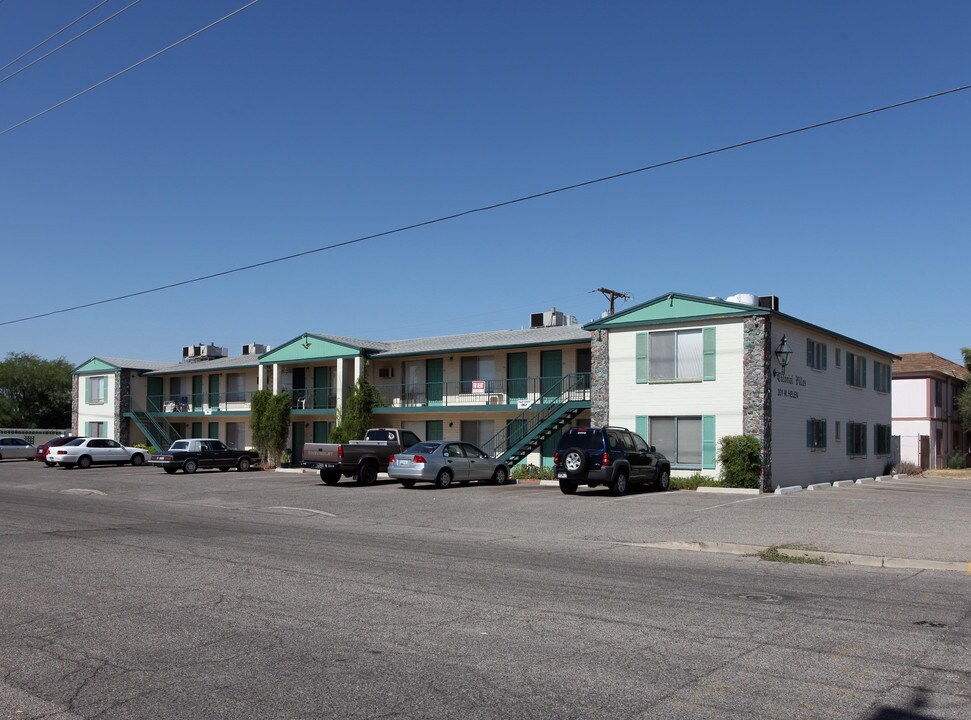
793	382
478	387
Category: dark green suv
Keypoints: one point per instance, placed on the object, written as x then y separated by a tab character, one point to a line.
611	456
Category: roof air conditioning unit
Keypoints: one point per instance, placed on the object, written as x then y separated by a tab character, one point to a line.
188	351
536	320
254	349
770	302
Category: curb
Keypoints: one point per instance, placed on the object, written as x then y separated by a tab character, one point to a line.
836	558
728	491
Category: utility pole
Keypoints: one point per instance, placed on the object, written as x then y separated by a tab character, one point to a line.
612	295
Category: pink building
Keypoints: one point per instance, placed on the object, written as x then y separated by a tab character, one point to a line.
925	416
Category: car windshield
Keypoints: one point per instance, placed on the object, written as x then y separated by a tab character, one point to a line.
423	447
583	439
76	442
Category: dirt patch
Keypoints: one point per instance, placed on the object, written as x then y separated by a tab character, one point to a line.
964	474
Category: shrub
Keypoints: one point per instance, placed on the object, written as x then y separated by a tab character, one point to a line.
532	472
908	468
741	461
694	482
355	419
955	461
150	449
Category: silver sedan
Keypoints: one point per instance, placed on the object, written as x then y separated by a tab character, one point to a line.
444	462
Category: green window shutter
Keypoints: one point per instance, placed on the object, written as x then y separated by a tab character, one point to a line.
640	427
708	442
213	430
824	432
849	368
809	433
863	362
87	429
809	353
640	359
708	342
849	435
824	357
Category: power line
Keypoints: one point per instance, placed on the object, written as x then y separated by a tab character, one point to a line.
494	206
51	37
65	43
129	68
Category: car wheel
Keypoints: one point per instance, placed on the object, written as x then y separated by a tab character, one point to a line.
619	485
408	484
367	474
574	461
137	460
190	466
567	487
243	465
500	476
170	471
444	478
663	482
330	478
84	462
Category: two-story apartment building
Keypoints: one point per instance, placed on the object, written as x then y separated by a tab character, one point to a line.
685	371
925	417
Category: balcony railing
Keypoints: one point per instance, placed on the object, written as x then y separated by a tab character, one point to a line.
480	392
313	398
229	401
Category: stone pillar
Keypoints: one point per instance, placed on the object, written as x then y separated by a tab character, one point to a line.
757	389
75	403
599	378
122	404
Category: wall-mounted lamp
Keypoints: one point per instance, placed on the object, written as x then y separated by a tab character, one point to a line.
783	353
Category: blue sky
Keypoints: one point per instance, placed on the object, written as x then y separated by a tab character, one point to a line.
295	125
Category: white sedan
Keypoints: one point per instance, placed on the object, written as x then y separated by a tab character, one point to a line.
85	452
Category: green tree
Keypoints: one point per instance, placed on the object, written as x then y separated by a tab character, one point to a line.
34	393
964	399
270	423
355	419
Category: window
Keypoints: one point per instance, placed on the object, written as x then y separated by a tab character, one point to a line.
478	432
679	438
855	435
235	435
478	367
235	387
97	390
881	377
938	393
675	355
881	439
855	370
96	429
816	434
815	354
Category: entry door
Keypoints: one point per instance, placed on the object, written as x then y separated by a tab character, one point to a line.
214	391
321	387
551	373
297	447
434	376
197	392
154	399
516	374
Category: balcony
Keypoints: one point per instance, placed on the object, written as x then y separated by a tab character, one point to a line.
322	398
202	404
480	393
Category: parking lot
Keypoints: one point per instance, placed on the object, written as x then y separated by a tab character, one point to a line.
270	595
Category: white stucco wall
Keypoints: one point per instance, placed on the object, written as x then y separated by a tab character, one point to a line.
823	394
910	398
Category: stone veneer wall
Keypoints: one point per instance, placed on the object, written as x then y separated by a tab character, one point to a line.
599	377
757	390
122	391
75	399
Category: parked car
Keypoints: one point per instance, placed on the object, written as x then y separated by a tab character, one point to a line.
443	462
12	447
42	449
85	452
611	456
193	454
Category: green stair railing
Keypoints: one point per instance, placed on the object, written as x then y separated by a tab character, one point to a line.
158	430
562	401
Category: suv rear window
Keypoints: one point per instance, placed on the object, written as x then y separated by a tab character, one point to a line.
584	439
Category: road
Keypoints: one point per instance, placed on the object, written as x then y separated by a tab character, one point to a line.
126	593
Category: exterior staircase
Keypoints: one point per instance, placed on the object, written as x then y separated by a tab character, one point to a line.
157	430
525	433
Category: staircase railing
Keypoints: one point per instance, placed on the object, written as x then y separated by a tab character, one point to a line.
156	425
556	394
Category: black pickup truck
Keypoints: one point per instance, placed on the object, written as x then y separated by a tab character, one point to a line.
204	453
